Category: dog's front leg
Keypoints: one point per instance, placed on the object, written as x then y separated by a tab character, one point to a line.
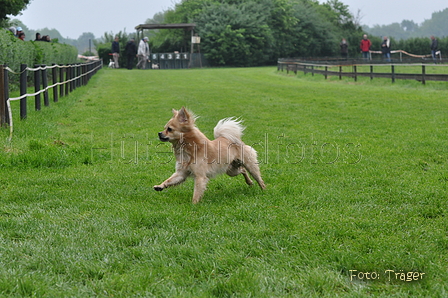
200	184
175	179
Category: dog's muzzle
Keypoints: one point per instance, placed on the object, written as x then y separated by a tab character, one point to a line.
163	138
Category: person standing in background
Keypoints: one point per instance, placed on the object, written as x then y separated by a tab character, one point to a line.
434	46
365	47
143	53
344	49
13	31
116	52
130	52
18	31
385	48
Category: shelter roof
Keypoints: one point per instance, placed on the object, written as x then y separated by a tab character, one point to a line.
187	26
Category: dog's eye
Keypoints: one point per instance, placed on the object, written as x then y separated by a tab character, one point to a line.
169	129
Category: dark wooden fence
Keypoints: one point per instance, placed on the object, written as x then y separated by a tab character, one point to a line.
64	79
340	70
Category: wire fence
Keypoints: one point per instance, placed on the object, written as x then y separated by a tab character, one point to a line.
64	79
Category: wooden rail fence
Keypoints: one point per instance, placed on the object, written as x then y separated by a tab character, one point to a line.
326	71
64	79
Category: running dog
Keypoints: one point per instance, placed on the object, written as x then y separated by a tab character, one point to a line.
201	158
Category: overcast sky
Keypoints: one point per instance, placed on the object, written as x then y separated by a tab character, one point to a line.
72	18
385	12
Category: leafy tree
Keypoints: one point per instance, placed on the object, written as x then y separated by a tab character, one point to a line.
437	25
158	18
8	7
416	45
317	37
283	22
395	29
337	12
170	40
254	32
235	34
409	26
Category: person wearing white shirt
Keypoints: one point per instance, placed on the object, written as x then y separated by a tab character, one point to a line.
143	53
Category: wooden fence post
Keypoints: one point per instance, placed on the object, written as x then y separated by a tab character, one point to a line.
73	71
45	85
340	72
423	74
393	73
23	82
88	73
69	85
326	72
61	80
3	98
6	94
54	75
355	74
371	72
84	72
78	74
37	88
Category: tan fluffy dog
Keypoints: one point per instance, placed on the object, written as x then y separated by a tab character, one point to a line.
203	159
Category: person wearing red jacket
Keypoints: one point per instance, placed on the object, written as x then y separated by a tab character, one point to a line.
365	46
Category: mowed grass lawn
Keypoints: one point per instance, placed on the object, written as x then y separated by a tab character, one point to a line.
355	205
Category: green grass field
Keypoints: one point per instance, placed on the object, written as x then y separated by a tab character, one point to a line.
355	205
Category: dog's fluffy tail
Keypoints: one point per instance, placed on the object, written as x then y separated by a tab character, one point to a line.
229	128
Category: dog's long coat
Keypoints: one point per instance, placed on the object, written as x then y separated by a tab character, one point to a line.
201	158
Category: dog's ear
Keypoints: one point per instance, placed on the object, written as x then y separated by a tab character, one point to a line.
175	113
183	116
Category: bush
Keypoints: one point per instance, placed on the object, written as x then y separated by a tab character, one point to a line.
104	51
14	52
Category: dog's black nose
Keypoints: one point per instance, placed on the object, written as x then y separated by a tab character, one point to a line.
162	137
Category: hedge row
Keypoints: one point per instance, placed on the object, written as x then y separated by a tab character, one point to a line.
14	52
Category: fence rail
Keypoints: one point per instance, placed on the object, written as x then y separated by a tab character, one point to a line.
326	70
64	79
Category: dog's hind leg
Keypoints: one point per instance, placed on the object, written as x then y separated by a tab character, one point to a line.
235	169
246	177
251	165
200	184
254	170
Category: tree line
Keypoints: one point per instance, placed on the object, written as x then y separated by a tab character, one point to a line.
437	25
258	32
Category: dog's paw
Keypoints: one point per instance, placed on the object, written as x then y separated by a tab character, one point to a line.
158	187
